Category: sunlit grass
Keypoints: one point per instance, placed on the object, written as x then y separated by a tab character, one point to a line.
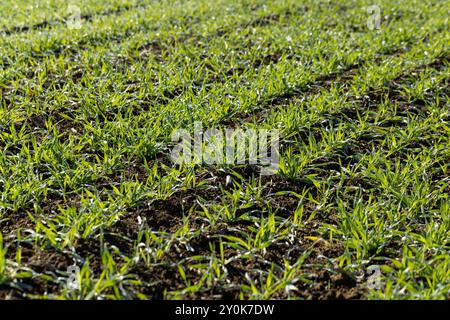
86	117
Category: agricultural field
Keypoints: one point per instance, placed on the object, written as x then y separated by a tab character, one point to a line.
93	204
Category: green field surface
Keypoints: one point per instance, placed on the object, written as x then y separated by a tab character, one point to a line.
87	182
